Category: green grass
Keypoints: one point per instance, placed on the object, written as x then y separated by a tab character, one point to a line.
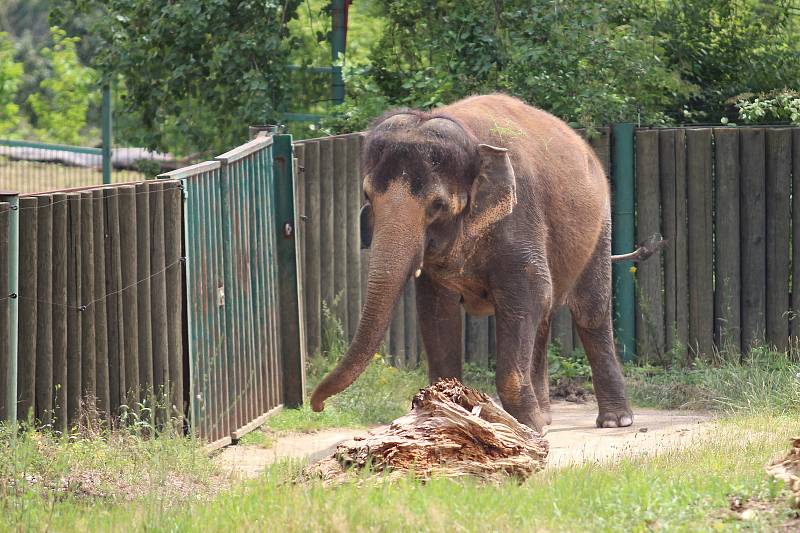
688	490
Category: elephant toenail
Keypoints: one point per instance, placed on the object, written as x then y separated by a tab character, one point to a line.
625	421
610	424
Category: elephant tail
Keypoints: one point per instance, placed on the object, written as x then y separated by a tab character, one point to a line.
644	251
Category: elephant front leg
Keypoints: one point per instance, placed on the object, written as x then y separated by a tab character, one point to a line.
515	345
439	312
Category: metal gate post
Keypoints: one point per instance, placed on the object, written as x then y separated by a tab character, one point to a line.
290	305
13	305
622	237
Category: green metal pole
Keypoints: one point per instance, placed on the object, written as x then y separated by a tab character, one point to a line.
13	305
288	291
106	126
338	43
622	237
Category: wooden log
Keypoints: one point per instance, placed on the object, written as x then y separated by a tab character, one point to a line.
313	250
448	433
114	312
44	311
60	262
601	143
74	261
28	303
326	199
666	170
158	301
778	233
340	230
173	245
796	233
753	236
86	304
354	194
561	329
129	294
727	293
100	305
701	274
144	318
649	282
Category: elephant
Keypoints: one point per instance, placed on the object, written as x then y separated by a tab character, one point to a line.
502	208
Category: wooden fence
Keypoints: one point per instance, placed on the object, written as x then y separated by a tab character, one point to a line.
721	196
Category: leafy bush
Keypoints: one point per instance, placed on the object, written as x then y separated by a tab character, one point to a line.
775	106
10	79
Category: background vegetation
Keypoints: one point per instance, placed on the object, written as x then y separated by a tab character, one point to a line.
189	76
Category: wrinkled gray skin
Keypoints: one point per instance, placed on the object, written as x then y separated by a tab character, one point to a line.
501	208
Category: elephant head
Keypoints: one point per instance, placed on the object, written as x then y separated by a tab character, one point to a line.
428	183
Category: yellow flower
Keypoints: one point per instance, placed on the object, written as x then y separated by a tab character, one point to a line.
632	269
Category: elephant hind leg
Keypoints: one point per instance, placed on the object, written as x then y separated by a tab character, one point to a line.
540	378
590	304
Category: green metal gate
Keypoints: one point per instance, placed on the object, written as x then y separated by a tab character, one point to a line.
239	348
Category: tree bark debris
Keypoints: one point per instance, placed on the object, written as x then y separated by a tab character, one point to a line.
788	470
451	431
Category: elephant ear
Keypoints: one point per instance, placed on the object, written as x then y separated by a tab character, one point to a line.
494	191
366	224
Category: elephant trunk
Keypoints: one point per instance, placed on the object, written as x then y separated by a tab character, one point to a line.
395	251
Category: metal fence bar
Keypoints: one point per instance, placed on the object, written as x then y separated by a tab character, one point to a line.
10	242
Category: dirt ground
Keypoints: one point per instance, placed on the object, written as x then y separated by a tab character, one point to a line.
573	439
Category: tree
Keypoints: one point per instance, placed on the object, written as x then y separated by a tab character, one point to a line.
196	73
10	78
61	104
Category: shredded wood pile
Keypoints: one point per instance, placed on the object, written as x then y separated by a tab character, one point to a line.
788	470
451	431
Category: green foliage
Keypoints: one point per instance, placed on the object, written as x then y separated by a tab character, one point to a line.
766	382
196	73
10	78
725	48
775	106
572	366
61	105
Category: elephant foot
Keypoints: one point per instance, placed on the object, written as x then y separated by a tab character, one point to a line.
615	418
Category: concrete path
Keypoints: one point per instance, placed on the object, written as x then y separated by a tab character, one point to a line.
573	438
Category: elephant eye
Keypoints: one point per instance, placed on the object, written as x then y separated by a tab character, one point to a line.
437	207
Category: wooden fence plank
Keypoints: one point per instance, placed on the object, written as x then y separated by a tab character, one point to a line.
73	258
410	324
753	236
701	275
313	251
145	328
28	300
88	358
796	232
340	158
326	202
601	143
681	246
561	329
129	295
158	299
173	244
44	312
649	281
778	231
114	313
59	309
100	305
354	194
666	170
727	293
476	341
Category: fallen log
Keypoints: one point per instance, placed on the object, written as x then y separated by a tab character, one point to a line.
451	431
788	470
